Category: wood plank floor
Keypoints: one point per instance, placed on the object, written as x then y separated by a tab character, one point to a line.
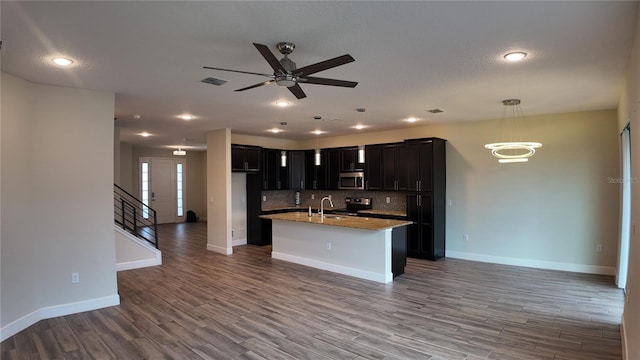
202	305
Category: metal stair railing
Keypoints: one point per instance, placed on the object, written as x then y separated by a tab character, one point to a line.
134	216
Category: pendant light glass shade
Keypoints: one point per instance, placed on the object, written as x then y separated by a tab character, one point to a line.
513	150
317	158
283	158
361	154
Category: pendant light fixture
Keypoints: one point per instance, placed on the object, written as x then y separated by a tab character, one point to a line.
283	152
179	152
361	154
317	156
512	149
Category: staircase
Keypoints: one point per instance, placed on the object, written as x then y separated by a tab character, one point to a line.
134	217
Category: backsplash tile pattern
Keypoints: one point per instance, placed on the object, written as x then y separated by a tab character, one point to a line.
286	198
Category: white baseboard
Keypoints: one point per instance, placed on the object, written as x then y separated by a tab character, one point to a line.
220	249
138	264
48	312
623	333
362	274
539	264
238	242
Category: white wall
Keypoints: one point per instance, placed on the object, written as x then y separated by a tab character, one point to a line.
629	110
57	212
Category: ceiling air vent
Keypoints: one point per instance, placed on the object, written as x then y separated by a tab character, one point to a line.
214	81
435	111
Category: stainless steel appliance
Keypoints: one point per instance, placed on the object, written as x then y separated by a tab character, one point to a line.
352	181
353	205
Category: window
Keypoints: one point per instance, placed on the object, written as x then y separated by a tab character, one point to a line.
145	188
179	184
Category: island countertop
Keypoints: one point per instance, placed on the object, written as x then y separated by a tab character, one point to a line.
354	222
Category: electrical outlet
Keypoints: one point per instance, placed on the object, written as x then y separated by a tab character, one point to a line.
264	198
328	246
450	202
599	248
75	278
313	196
388	200
465	237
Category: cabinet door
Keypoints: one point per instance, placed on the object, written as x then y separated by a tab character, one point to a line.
389	176
373	166
237	158
349	160
426	167
270	166
296	170
316	175
401	167
413	230
333	169
252	158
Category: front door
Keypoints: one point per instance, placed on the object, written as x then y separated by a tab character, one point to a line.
165	192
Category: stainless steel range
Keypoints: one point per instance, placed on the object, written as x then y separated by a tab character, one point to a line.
353	205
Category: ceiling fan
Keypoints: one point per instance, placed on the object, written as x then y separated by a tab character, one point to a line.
286	74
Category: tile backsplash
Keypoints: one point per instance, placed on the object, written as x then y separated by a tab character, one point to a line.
286	198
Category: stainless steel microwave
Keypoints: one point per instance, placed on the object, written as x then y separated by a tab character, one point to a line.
352	181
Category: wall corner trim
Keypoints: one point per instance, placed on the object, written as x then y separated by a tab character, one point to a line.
538	264
48	312
625	349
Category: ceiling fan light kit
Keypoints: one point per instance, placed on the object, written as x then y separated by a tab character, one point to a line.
285	72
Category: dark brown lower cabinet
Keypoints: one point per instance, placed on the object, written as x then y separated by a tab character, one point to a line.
398	250
425	237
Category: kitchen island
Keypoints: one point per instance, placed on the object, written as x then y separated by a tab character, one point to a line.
364	247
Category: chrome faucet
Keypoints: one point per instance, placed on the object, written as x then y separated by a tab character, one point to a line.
322	205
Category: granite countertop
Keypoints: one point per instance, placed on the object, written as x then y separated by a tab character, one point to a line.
355	222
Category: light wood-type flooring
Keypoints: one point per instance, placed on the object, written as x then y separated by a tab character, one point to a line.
203	305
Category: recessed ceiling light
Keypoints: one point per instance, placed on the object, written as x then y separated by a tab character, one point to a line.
282	103
359	126
515	56
275	130
318	132
186	117
144	134
62	61
411	119
137	116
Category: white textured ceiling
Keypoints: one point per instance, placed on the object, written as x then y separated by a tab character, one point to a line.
410	57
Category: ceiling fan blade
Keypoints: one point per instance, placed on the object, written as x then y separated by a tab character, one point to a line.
271	59
323	65
256	85
297	91
239	71
325	81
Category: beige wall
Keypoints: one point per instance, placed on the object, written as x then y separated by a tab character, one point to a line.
219	191
196	178
57	212
629	111
550	212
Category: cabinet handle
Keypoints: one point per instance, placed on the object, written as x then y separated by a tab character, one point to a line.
417	188
302	184
366	184
315	184
420	185
279	185
352	167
